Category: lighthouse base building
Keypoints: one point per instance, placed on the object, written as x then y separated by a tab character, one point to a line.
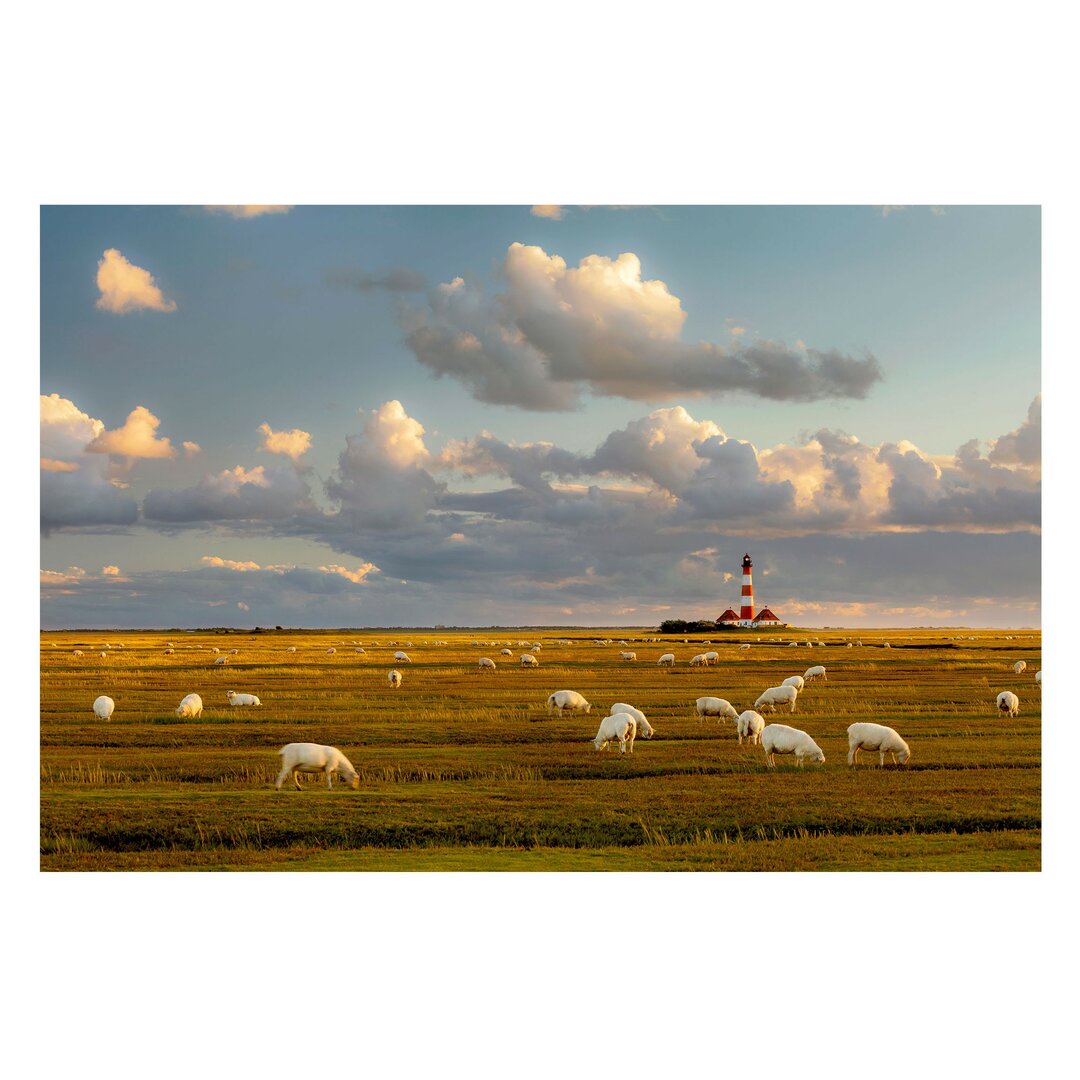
746	618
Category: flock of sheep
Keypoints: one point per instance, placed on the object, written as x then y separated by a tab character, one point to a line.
624	722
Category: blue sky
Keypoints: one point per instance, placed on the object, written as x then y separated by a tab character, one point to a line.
313	319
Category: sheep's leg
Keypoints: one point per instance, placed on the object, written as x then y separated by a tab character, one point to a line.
329	782
881	759
893	756
296	778
852	755
281	778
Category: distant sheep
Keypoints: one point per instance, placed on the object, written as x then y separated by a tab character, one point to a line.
361	651
1038	676
877	738
305	757
77	652
291	648
330	652
232	652
505	652
1019	667
528	660
169	652
241	699
103	707
644	728
712	658
816	672
486	664
1008	703
214	649
567	701
781	739
103	654
777	695
714	706
699	661
220	660
628	656
744	646
621	726
798	681
667	660
190	708
394	679
750	725
536	648
402	658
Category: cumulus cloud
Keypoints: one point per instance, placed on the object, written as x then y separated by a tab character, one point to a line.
293	444
191	448
111	571
137	438
1024	445
125	287
357	576
557	330
399	279
246	212
554	213
230	564
239	494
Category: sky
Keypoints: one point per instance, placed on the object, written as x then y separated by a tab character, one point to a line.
350	416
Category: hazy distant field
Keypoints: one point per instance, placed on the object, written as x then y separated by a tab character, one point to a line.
462	769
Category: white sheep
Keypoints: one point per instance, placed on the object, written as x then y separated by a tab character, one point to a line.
781	739
744	646
777	695
241	699
749	725
306	757
329	652
485	663
402	658
621	726
535	649
798	681
667	660
528	660
567	701
291	648
214	649
169	652
1038	676
815	672
505	652
1008	703
1019	667
77	652
232	652
699	661
879	738
103	654
103	707
394	679
190	707
712	658
714	706
628	656
886	646
644	728
792	644
361	651
220	660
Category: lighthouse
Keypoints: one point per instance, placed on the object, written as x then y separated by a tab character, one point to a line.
746	609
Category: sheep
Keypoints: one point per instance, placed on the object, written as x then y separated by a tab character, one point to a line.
528	660
1008	703
1038	676
190	707
749	724
361	652
816	672
621	726
876	737
103	707
214	649
486	664
714	706
777	695
331	651
567	701
169	652
1019	667
792	644
77	652
628	656
220	660
232	652
505	652
291	648
667	660
536	648
394	679
241	699
699	661
850	646
298	757
643	727
795	680
886	646
781	739
170	644
103	654
744	646
402	658
712	657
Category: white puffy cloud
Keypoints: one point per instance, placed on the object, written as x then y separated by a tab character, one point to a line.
111	571
357	576
230	564
246	212
239	494
557	330
191	448
1023	446
137	438
293	444
125	287
547	210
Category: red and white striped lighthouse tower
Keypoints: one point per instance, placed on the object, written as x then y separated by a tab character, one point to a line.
746	610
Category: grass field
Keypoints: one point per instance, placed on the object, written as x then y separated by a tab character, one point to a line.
463	770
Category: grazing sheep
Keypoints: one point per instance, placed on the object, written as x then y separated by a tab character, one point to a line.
1019	667
628	656
402	658
331	651
1008	703
777	695
816	672
714	706
103	707
214	649
567	701
528	660
644	728
169	652
241	699
77	652
876	737
505	652
621	726
291	648
699	661
712	658
232	652
849	645
749	724
220	660
535	649
190	707
170	644
744	646
886	646
103	654
798	681
486	664
306	757
361	652
792	644
667	660
1038	676
394	679
781	739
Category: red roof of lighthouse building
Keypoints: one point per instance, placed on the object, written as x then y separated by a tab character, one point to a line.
728	616
766	614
